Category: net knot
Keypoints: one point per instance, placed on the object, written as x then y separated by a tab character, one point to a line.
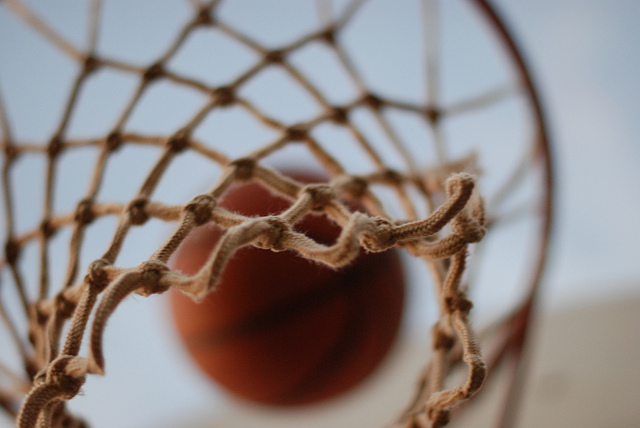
90	65
297	133
272	238
458	182
137	213
64	306
10	151
224	96
458	303
353	186
97	276
202	207
68	373
46	228
113	141
328	36
439	418
373	101
40	377
203	17
468	228
55	146
243	168
11	251
40	313
84	211
274	57
154	72
442	340
179	141
470	221
432	114
392	177
338	115
321	195
151	274
380	236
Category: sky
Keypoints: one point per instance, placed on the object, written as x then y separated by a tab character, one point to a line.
584	59
583	56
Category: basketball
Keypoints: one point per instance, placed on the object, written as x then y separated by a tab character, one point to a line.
281	330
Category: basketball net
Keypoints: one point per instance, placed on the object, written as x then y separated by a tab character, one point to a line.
421	195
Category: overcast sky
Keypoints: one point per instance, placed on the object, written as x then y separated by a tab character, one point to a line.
585	59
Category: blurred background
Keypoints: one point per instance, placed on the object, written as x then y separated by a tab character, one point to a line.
583	56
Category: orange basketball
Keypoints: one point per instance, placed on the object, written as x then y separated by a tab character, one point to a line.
283	330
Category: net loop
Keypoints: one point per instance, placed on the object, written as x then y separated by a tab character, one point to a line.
249	231
460	183
444	400
145	280
346	248
458	189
